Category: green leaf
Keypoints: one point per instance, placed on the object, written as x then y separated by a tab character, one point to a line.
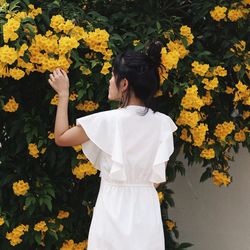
38	238
205	175
184	245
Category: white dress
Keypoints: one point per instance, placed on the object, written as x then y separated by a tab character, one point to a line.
130	151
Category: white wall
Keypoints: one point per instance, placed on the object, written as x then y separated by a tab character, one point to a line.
211	217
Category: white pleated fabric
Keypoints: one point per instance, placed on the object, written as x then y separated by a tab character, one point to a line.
131	152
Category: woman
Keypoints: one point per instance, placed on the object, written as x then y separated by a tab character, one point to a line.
130	146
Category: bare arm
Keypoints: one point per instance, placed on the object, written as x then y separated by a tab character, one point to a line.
63	135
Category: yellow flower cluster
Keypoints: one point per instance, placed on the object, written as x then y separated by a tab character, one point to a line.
170	225
33	150
11	105
9	30
210	84
199	69
16	233
62	214
245	114
240	136
177	45
71	245
237	11
207	99
87	106
1	221
238	47
169	60
58	24
184	135
105	68
192	99
220	178
186	32
85	71
199	134
20	187
218	13
73	96
160	196
84	169
97	40
242	93
219	71
8	55
77	148
224	129
41	226
207	153
33	12
81	157
188	118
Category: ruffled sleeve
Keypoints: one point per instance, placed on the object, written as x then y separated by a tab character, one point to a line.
164	150
104	135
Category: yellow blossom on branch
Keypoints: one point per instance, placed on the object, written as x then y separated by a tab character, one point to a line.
11	105
220	178
20	187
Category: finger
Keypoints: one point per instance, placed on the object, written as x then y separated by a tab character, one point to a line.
52	77
55	73
50	82
58	72
64	73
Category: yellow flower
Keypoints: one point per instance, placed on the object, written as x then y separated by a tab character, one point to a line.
160	196
8	55
84	169
20	187
16	73
224	129
87	106
1	221
33	151
192	99
218	13
199	68
62	214
229	90
136	42
105	68
234	15
11	105
77	148
41	226
220	178
184	135
51	135
240	136
245	114
54	100
81	157
219	71
199	134
188	118
170	224
210	84
73	97
16	233
207	153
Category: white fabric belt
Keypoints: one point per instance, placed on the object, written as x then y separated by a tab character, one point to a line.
124	184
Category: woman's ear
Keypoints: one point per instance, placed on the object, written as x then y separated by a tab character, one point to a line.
124	84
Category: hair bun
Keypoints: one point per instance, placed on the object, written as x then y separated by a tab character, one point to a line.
154	52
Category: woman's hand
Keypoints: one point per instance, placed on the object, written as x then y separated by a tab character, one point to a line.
59	81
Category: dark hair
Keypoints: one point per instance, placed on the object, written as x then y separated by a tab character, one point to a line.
141	71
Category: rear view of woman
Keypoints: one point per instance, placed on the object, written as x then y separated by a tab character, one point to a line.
130	146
